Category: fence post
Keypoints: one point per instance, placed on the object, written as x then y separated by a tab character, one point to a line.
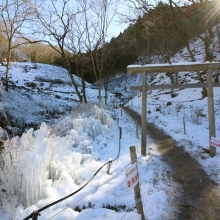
184	125
137	129
143	122
137	193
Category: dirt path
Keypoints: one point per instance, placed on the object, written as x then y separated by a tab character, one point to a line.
200	196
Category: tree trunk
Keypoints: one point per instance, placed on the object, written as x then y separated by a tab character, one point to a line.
84	89
218	35
69	70
99	91
106	90
7	65
208	53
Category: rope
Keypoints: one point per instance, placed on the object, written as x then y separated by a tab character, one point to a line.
91	191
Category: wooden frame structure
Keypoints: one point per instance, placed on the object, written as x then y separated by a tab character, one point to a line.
208	67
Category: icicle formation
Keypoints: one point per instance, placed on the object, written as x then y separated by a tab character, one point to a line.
29	163
26	163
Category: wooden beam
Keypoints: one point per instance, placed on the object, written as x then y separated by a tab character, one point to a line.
174	86
174	67
143	118
211	111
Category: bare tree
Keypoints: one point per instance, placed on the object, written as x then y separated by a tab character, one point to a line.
54	19
186	21
13	14
205	33
95	21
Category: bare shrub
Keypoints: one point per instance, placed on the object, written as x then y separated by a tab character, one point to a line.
197	115
179	106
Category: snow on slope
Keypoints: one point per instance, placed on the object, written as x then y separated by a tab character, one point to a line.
40	91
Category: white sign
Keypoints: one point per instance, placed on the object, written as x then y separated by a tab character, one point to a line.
132	176
215	142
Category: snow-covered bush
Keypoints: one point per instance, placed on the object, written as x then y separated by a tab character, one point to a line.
91	126
103	116
197	115
83	110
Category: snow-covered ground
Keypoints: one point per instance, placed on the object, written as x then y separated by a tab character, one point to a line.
54	160
61	154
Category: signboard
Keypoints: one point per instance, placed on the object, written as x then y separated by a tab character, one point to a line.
215	142
132	176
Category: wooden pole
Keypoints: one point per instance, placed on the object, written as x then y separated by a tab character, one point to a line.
211	111
137	129
137	193
184	125
144	111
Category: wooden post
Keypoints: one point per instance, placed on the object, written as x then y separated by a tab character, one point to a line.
143	122
211	111
137	129
184	125
137	193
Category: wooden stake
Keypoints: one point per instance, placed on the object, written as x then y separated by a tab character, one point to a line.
184	125
211	111
137	194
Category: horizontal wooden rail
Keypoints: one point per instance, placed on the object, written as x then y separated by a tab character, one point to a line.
174	67
174	86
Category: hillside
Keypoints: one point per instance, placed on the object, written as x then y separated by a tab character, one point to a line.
40	92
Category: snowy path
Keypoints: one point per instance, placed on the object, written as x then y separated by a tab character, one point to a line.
199	196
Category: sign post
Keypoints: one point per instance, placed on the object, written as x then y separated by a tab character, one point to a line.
135	184
132	176
214	142
211	110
